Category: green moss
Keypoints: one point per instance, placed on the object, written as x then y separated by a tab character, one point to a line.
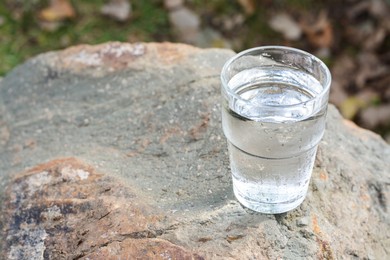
300	4
217	6
259	32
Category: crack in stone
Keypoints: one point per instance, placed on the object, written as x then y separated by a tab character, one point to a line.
144	234
377	188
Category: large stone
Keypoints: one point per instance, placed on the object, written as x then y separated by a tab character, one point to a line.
116	151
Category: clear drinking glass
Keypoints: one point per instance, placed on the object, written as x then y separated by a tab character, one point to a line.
274	106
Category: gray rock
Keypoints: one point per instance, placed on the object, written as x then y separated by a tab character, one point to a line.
186	23
126	157
119	10
173	4
302	222
210	37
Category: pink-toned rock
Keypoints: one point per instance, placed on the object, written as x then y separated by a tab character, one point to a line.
65	209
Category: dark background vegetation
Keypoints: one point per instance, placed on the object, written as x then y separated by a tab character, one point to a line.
351	36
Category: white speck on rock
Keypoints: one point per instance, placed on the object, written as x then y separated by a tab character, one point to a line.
36	181
302	222
69	173
52	213
138	49
166	255
33	246
119	50
90	59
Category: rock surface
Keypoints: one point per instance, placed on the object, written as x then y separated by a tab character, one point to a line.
117	150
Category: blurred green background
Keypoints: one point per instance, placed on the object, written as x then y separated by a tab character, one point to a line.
351	36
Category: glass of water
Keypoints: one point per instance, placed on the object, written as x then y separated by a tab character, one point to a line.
273	115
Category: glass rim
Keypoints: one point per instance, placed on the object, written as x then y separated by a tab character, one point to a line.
326	85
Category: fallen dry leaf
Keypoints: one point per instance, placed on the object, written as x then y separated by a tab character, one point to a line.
58	10
285	24
337	93
375	40
120	10
319	32
343	75
376	8
357	9
173	4
248	5
351	106
370	67
373	117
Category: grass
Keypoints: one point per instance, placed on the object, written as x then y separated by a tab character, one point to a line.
23	37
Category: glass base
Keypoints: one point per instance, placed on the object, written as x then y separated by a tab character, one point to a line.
269	208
